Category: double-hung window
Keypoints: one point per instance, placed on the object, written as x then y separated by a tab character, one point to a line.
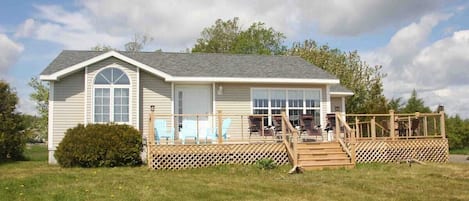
111	96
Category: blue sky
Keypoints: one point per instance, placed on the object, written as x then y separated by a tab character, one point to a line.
422	45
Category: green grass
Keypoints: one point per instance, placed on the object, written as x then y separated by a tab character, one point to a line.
464	151
36	152
35	180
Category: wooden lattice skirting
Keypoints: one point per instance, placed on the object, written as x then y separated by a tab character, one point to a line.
431	150
194	156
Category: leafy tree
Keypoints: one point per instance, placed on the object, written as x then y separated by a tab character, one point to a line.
228	37
138	43
395	104
102	47
41	97
135	45
415	104
364	80
218	38
12	127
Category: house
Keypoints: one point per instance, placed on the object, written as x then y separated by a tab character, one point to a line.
95	87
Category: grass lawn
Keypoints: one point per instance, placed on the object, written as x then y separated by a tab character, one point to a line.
36	180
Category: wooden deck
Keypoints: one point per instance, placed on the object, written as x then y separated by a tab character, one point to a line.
362	141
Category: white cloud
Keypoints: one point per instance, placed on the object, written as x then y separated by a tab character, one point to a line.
26	105
175	25
437	70
337	17
26	29
9	53
73	30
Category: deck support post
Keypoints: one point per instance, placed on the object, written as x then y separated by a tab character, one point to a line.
219	131
392	123
442	124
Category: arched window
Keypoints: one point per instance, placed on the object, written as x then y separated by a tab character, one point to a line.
111	96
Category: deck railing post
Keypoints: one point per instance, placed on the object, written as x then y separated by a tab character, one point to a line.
197	127
392	123
442	124
373	128
242	128
425	126
357	127
337	126
284	127
151	134
352	146
417	116
219	131
151	126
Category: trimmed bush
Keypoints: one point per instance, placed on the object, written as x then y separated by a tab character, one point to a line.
100	145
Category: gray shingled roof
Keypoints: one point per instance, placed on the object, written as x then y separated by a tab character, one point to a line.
337	88
206	64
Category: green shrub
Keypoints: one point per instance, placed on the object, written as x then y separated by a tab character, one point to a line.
266	164
100	145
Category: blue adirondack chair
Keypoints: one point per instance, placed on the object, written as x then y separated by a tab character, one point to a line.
161	131
188	130
224	131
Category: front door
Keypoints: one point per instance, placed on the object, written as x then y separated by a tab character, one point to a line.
194	100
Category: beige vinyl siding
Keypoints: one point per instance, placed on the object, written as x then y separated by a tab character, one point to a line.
131	72
236	101
68	104
336	102
154	91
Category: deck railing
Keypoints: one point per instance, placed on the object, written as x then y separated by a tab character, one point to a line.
394	126
355	132
239	130
290	138
392	137
346	138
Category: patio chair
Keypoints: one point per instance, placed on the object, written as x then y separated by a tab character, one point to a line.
277	122
161	131
224	131
414	126
308	127
255	124
188	130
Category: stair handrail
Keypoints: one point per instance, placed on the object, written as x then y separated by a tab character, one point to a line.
347	132
290	140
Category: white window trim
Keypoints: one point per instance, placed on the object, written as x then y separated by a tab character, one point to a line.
287	107
111	95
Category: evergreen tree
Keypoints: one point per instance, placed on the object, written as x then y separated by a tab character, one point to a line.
12	127
415	104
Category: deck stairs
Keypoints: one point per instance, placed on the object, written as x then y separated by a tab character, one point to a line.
324	155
